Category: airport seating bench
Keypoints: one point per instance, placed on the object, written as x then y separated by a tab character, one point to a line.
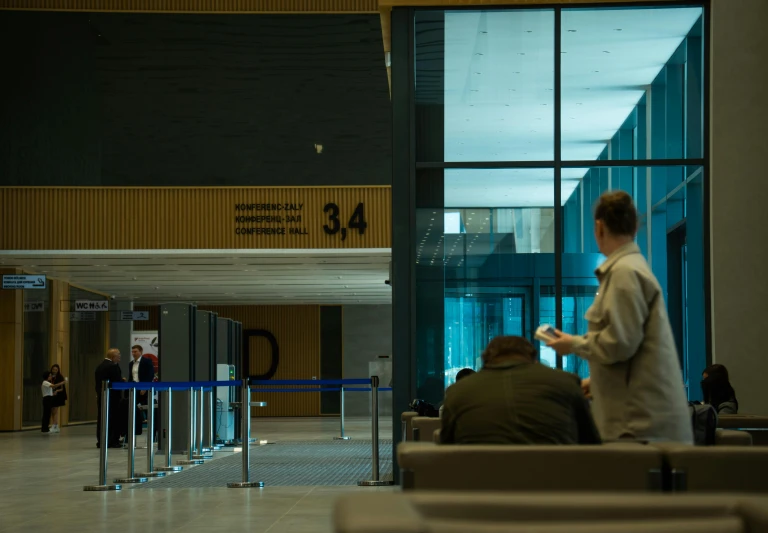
407	429
424	428
755	425
717	468
730	437
479	512
607	467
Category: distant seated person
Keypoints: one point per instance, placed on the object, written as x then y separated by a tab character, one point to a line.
516	400
461	374
718	391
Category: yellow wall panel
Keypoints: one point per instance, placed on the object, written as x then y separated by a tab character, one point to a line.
297	330
51	218
197	6
11	350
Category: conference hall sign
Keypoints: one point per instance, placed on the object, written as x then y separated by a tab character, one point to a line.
114	218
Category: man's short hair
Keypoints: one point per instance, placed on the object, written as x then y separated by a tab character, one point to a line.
137	347
464	372
506	346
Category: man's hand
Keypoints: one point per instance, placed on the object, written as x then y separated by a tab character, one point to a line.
563	345
586	388
143	393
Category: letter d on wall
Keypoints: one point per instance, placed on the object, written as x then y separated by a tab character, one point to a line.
248	335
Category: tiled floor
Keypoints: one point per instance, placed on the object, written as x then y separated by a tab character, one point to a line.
43	478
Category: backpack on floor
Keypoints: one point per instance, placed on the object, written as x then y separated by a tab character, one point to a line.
424	408
704	421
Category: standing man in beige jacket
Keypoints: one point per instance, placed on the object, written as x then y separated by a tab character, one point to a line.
635	377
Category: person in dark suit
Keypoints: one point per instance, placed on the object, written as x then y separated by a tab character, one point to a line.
141	370
109	369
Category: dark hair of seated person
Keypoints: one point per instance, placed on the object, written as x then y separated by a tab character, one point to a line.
717	389
464	372
508	347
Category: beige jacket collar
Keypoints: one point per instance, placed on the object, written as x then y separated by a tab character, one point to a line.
628	249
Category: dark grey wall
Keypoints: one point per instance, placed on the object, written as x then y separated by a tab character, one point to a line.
738	192
143	100
367	334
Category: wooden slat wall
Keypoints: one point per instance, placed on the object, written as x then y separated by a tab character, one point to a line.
153	324
197	6
11	350
486	3
297	330
58	350
53	218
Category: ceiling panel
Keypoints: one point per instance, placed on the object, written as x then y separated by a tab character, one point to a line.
220	277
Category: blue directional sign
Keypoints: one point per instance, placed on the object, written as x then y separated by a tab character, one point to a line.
19	281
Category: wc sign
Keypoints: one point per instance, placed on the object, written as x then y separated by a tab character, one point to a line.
91	305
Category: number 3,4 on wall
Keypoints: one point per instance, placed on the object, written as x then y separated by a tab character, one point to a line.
356	221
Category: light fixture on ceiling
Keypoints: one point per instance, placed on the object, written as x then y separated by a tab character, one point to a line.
571	31
606	52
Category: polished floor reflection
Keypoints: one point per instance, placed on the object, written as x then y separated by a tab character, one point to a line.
44	476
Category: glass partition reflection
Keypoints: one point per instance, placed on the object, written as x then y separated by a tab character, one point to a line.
632	83
37	317
87	348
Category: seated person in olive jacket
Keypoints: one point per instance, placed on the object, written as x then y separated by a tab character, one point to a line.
516	400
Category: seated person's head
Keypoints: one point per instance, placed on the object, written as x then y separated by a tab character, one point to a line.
464	372
508	348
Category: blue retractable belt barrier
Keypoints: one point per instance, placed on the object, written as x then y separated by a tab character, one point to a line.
172	384
311	382
207	385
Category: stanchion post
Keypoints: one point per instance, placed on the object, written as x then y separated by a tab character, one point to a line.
199	425
245	427
212	446
374	481
131	477
341	417
151	472
191	458
168	421
103	444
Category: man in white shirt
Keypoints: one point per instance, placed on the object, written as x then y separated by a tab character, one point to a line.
142	371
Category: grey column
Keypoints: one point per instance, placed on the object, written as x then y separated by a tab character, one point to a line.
176	360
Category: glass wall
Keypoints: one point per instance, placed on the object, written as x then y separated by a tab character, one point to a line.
521	118
37	320
87	342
